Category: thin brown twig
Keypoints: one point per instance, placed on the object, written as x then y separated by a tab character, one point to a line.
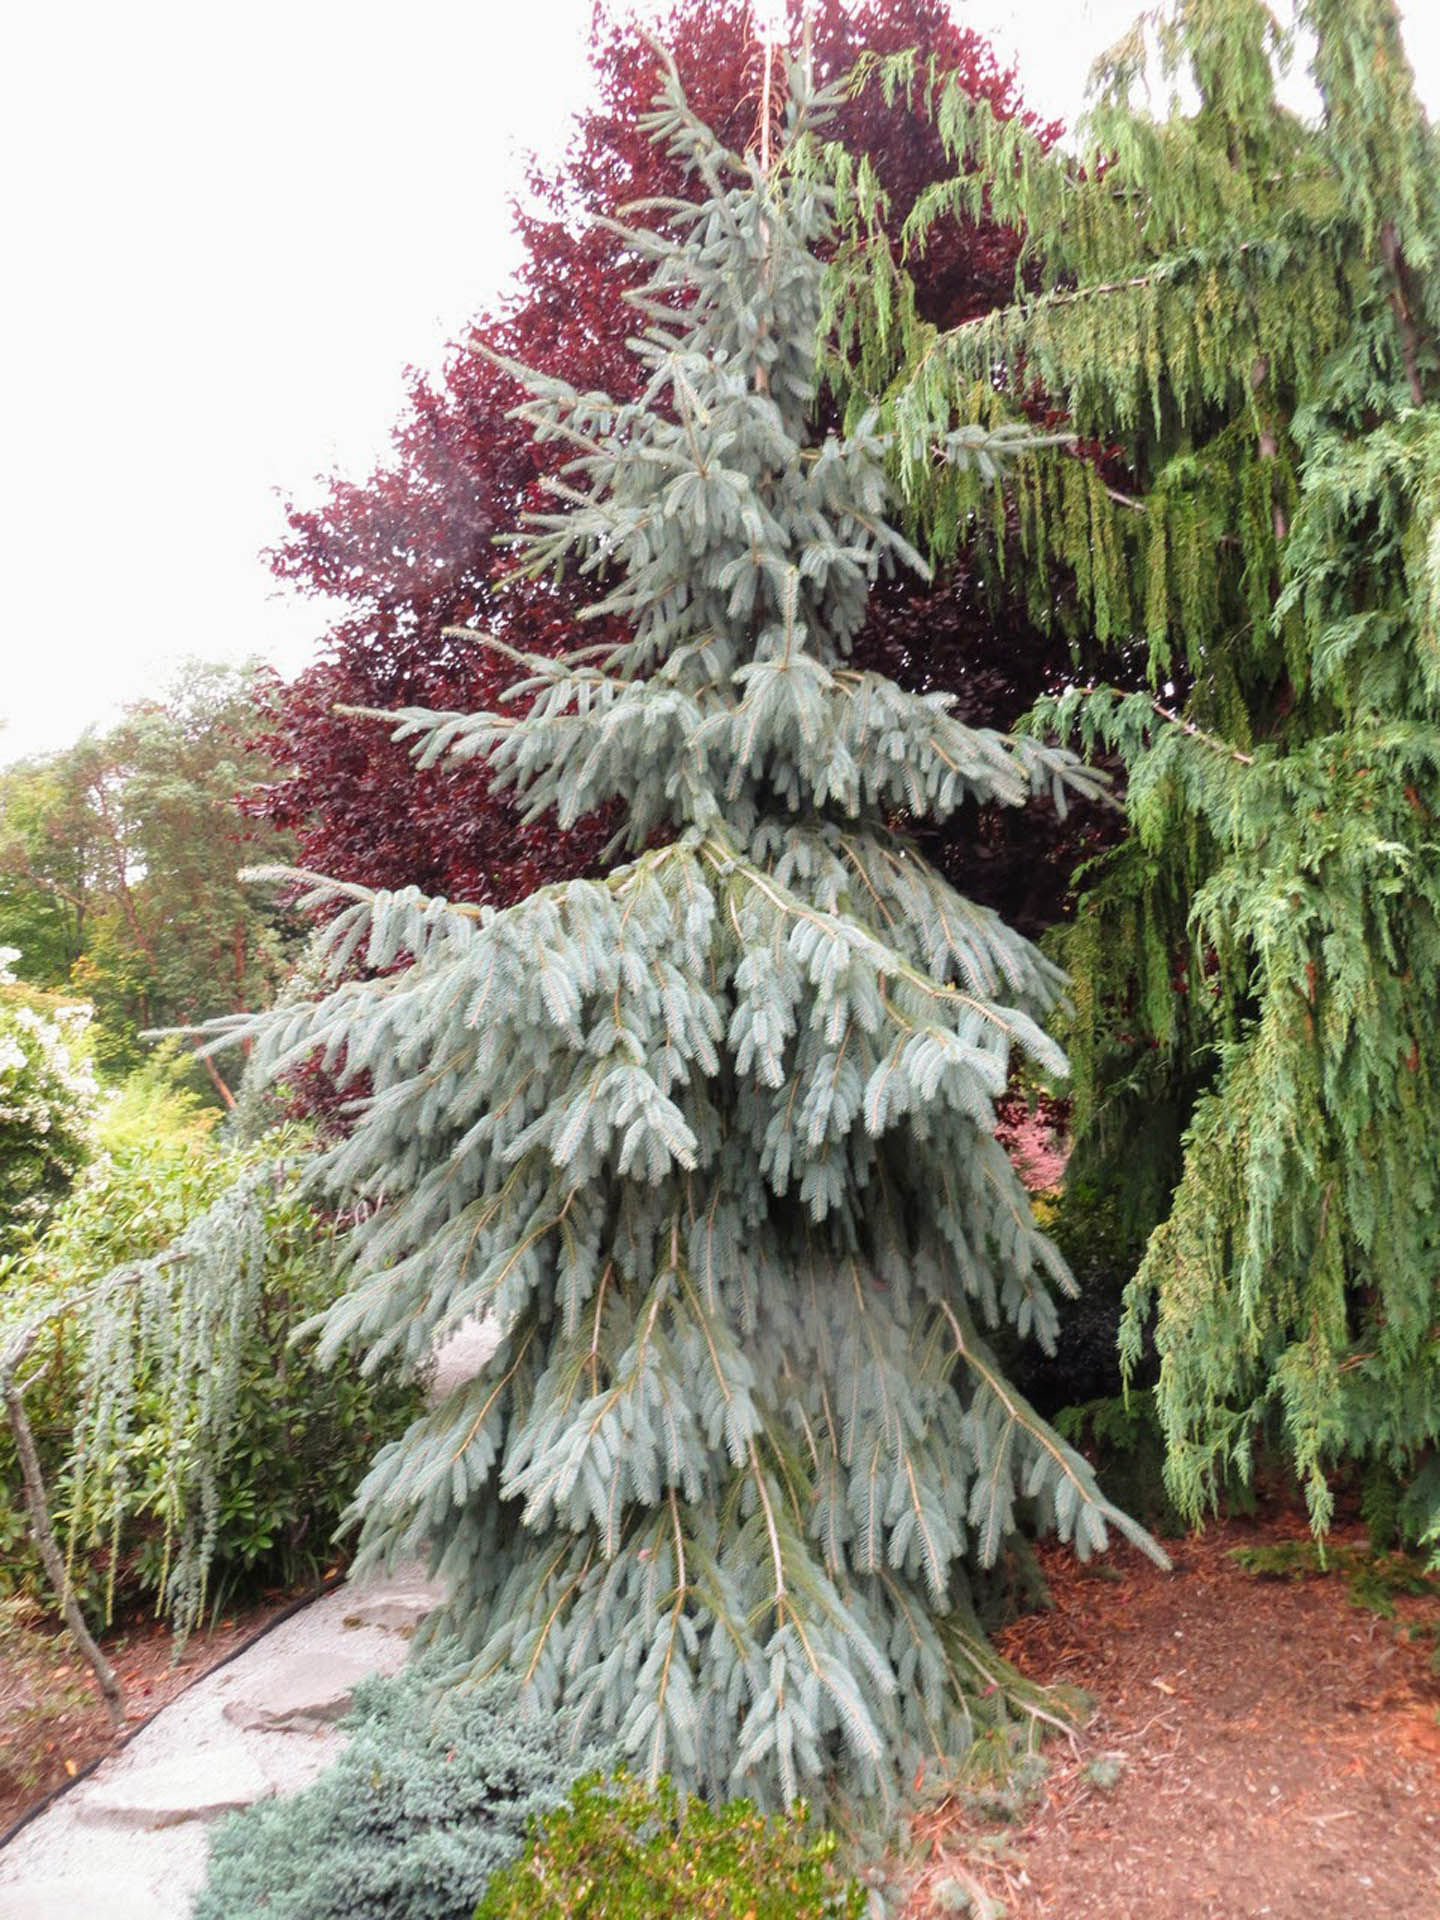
38	1507
1124	499
1061	297
1199	733
1185	726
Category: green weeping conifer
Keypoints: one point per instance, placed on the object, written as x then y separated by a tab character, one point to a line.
1241	308
710	1141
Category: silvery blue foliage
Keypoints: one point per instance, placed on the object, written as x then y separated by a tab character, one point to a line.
435	1791
711	1140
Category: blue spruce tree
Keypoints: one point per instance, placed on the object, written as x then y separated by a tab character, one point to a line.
710	1141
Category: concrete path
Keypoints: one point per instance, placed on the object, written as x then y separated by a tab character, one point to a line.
130	1842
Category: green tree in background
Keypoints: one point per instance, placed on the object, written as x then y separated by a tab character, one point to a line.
47	861
711	1141
1241	316
119	859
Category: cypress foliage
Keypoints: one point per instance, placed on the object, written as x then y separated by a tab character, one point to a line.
711	1140
1245	310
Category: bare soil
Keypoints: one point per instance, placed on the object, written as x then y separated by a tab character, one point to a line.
53	1722
1274	1750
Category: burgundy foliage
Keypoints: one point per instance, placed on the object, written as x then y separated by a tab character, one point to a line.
412	552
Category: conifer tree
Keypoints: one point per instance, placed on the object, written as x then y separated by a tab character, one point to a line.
407	555
710	1140
1243	309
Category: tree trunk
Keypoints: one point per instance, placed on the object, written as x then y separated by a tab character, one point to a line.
50	1555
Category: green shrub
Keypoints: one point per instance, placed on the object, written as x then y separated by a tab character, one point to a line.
435	1792
305	1433
155	1108
1102	1250
1373	1581
622	1852
132	1203
48	1097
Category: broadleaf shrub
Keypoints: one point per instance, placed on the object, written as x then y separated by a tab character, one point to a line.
622	1851
48	1097
305	1432
154	1107
436	1791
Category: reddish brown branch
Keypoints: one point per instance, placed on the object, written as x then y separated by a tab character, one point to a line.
1400	307
220	1087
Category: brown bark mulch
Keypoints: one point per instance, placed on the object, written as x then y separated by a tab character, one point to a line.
53	1722
1274	1750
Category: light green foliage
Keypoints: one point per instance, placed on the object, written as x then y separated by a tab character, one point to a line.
188	1446
48	1101
436	1790
1373	1580
624	1851
1247	310
44	840
155	1108
711	1141
137	1196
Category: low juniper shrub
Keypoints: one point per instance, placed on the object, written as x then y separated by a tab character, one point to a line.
437	1790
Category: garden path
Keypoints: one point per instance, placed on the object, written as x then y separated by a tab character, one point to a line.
130	1841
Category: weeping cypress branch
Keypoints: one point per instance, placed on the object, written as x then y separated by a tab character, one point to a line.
1242	315
172	1328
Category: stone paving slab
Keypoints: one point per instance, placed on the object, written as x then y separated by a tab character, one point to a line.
400	1610
309	1693
131	1842
86	1897
173	1791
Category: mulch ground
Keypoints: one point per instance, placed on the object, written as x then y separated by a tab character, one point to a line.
53	1723
1274	1750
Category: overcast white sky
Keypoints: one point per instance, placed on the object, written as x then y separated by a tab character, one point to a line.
229	229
